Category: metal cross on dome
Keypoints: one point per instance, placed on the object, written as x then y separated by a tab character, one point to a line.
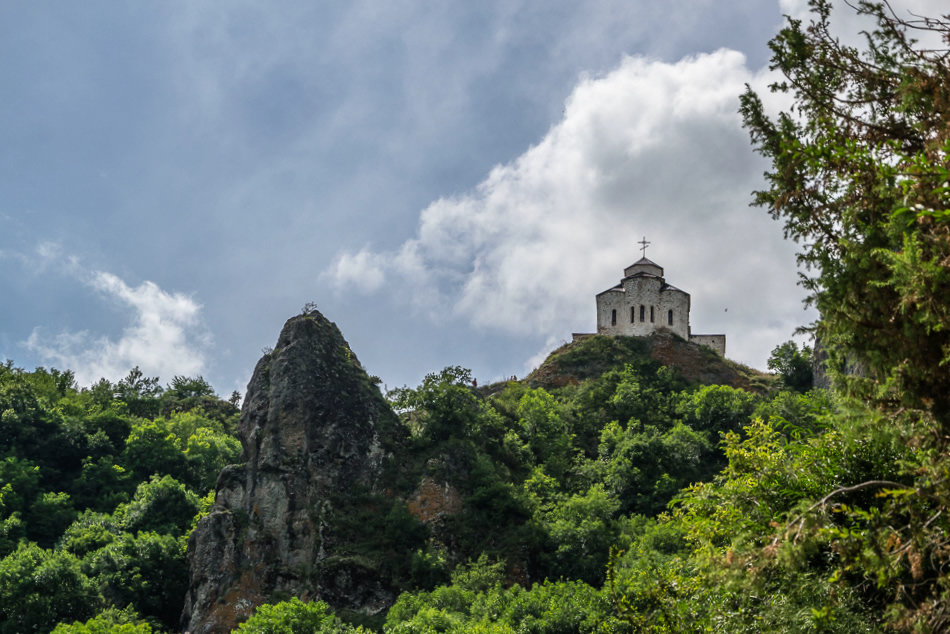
645	243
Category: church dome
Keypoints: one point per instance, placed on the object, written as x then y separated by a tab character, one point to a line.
644	266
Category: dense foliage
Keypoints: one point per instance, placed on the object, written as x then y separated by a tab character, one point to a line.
99	489
861	179
98	502
296	617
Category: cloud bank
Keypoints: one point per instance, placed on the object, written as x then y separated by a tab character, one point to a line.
165	336
650	148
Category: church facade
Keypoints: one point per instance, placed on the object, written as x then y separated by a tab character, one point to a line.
643	303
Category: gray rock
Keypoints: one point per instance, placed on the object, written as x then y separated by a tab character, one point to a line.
311	427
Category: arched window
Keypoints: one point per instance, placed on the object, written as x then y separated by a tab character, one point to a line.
651	314
613	317
642	308
633	314
669	317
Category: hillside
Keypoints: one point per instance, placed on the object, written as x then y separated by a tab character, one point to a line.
593	355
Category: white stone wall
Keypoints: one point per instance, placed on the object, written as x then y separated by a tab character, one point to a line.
676	301
716	342
643	304
646	291
610	312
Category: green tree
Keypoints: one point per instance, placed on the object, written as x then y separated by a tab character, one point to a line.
183	388
49	515
295	617
101	395
147	571
88	533
543	428
102	485
153	448
39	588
30	426
716	409
582	529
188	445
442	407
562	607
19	484
39	516
646	394
651	582
796	413
860	179
109	621
140	393
208	452
186	394
645	467
115	426
162	505
793	365
51	385
477	601
11	530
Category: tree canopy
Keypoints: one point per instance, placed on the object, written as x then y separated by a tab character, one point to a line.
860	178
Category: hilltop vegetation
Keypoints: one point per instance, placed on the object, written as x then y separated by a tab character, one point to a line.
590	357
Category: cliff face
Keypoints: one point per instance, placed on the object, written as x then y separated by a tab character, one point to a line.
311	429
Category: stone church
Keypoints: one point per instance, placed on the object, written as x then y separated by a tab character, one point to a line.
643	303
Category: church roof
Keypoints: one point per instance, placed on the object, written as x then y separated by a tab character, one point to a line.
645	260
644	266
613	289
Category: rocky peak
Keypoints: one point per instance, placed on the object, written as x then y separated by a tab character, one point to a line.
311	428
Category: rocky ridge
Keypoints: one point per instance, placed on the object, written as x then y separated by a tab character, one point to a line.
312	428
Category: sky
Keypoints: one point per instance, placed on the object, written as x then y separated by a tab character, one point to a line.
450	183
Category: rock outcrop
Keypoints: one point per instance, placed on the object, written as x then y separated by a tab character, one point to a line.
311	427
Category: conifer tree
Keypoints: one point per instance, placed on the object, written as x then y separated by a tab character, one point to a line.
860	177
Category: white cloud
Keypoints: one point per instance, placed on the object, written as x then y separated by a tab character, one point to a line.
650	148
360	271
165	336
